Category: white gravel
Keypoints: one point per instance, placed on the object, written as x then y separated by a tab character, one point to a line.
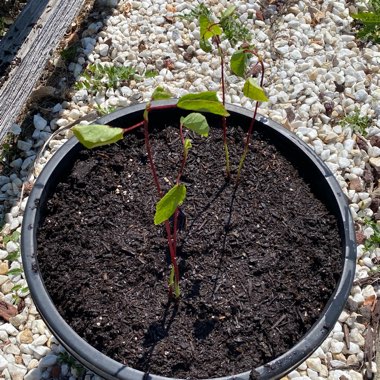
312	60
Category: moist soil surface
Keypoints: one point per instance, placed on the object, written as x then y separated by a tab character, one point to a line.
257	263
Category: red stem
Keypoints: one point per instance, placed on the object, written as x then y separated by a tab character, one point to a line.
224	120
126	130
171	239
260	61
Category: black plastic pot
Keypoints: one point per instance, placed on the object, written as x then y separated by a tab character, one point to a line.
323	181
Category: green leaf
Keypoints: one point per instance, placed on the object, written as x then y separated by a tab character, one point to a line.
204	102
187	144
25	289
13	256
367	17
187	147
13	237
160	93
229	11
167	205
239	63
253	91
14	272
94	135
16	288
196	122
208	28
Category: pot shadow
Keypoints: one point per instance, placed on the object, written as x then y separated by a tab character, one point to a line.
204	209
227	227
156	332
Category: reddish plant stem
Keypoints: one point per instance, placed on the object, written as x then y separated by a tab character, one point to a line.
149	152
171	239
260	61
250	130
224	119
126	130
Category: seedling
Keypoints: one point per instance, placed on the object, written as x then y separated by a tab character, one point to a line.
97	77
228	27
65	358
357	122
92	136
374	240
169	205
370	22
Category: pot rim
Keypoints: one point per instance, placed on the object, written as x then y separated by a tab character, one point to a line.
110	368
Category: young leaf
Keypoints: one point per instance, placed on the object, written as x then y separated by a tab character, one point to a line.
25	289
160	93
208	28
229	11
196	122
167	205
204	102
239	63
94	135
253	91
187	144
14	272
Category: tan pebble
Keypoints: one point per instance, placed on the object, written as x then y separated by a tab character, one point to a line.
339	357
4	267
18	359
33	364
332	137
7	287
26	336
352	360
356	184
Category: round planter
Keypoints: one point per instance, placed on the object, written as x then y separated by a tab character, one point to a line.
109	368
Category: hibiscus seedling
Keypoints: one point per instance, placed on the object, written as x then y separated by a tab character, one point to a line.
212	33
95	135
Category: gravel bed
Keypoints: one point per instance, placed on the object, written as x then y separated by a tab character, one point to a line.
317	72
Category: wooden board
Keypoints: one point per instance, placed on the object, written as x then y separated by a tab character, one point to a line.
34	36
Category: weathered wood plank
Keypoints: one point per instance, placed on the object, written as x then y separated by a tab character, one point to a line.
32	57
18	32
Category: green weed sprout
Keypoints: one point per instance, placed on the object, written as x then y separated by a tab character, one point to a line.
370	28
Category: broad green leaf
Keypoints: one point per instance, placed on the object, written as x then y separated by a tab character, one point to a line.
229	11
239	63
160	93
253	91
15	272
208	28
203	102
16	288
196	122
187	145
94	135
367	17
167	205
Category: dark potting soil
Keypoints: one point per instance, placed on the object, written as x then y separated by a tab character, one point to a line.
257	264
